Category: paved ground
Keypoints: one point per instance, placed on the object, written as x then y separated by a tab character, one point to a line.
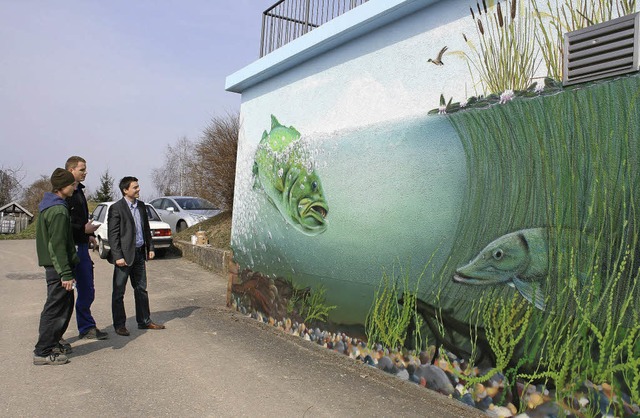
210	361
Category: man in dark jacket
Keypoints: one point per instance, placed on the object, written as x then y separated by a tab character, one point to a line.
131	244
83	235
57	254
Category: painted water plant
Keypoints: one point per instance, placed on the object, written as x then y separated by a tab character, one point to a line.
570	163
314	308
388	320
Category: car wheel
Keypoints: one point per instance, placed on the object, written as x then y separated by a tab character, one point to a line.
102	252
181	225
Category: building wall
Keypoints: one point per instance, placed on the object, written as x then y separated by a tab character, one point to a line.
418	196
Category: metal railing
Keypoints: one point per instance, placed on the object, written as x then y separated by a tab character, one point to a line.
289	19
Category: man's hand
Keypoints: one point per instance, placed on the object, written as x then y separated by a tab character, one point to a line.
90	228
151	255
120	262
93	243
68	284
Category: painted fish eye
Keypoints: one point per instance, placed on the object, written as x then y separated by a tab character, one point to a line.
314	186
498	254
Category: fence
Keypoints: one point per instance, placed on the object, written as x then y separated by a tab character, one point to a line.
289	19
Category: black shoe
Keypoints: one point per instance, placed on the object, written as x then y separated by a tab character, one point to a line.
122	331
94	334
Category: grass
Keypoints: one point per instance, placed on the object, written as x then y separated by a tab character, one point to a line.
218	230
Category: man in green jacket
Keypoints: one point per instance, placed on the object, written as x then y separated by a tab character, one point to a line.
57	254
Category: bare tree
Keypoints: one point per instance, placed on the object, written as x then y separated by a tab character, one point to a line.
214	165
34	193
172	177
10	179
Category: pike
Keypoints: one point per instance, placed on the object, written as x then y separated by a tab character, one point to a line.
519	259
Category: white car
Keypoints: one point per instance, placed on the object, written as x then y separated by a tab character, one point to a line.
182	212
160	231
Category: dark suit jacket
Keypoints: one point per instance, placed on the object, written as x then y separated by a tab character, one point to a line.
122	231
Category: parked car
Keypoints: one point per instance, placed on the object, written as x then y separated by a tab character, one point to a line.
160	231
182	212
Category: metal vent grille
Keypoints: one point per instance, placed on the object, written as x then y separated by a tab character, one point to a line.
601	51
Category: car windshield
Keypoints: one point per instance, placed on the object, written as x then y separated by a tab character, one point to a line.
152	214
194	203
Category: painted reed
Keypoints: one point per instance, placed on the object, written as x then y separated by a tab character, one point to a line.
506	57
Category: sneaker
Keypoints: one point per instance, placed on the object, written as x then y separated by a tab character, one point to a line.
64	344
94	334
53	359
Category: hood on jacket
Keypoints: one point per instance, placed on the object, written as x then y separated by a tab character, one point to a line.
50	199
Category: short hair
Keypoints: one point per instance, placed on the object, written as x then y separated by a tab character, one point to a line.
72	162
126	182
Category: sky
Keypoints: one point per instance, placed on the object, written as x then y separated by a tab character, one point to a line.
116	81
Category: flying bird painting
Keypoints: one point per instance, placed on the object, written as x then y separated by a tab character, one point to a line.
438	59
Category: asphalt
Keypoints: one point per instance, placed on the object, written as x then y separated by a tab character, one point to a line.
210	361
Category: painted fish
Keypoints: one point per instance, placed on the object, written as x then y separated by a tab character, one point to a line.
519	259
284	170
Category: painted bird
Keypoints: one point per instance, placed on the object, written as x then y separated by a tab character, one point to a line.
438	60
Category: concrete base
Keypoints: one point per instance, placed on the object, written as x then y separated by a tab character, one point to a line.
208	257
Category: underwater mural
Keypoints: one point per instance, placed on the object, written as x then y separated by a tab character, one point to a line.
550	169
530	207
503	228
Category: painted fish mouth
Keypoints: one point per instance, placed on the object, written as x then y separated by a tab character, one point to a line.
317	210
460	277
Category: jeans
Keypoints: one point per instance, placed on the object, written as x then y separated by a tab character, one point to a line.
55	315
86	290
138	273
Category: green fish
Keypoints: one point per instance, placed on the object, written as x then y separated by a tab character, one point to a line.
283	168
519	259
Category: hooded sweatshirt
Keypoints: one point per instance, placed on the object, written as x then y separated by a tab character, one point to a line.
54	237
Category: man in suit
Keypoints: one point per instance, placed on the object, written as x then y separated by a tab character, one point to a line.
131	245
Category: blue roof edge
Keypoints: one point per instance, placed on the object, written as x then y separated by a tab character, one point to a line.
364	18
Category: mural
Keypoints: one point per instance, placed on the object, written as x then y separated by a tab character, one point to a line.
386	185
502	228
527	207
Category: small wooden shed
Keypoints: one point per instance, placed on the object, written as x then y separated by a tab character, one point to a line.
14	218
